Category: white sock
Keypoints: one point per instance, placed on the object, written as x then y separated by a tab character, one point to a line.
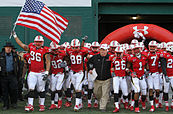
77	101
172	103
56	97
69	99
160	97
152	103
132	103
166	103
60	98
126	100
30	100
117	105
96	101
42	100
52	102
89	101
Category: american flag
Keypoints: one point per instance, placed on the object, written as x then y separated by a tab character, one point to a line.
36	15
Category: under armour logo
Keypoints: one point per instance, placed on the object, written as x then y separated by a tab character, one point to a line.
138	30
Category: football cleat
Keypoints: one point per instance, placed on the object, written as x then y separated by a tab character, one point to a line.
59	104
89	105
42	108
160	105
76	108
67	104
80	106
126	105
95	105
137	110
52	107
116	109
131	108
29	108
167	108
143	105
152	109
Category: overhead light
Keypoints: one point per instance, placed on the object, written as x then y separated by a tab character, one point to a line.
135	17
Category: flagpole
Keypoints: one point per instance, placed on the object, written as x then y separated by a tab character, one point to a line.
15	22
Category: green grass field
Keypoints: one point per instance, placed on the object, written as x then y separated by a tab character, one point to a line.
85	110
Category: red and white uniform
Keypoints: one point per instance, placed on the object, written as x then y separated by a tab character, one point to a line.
76	73
37	68
139	83
57	77
119	80
153	78
169	71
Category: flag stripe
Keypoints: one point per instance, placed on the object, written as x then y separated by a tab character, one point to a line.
42	31
41	19
40	25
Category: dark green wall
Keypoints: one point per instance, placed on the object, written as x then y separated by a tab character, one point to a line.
80	24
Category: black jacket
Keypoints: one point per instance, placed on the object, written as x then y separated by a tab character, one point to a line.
102	66
16	64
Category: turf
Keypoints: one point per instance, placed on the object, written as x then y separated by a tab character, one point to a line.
85	110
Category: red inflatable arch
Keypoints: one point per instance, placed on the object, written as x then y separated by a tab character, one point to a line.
150	31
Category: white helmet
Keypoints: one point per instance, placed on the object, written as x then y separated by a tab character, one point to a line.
95	44
135	46
158	45
53	45
169	44
134	41
125	46
141	44
153	43
114	44
119	49
171	48
39	39
75	43
163	45
66	44
129	47
87	45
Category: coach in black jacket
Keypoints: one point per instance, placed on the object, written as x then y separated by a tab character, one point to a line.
102	83
9	69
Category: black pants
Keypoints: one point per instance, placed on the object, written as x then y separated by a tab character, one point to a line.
9	89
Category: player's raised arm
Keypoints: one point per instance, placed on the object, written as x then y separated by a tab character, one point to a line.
19	42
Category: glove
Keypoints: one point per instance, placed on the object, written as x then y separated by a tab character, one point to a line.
14	34
45	76
113	74
133	74
63	64
85	38
167	79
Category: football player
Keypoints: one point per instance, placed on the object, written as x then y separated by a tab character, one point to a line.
38	74
76	55
118	71
137	64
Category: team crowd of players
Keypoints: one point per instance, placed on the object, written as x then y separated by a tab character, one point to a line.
137	72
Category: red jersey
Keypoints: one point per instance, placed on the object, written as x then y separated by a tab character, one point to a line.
26	56
55	61
119	65
36	57
169	66
76	58
138	65
153	61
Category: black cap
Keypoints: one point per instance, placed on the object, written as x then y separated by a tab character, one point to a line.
8	44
